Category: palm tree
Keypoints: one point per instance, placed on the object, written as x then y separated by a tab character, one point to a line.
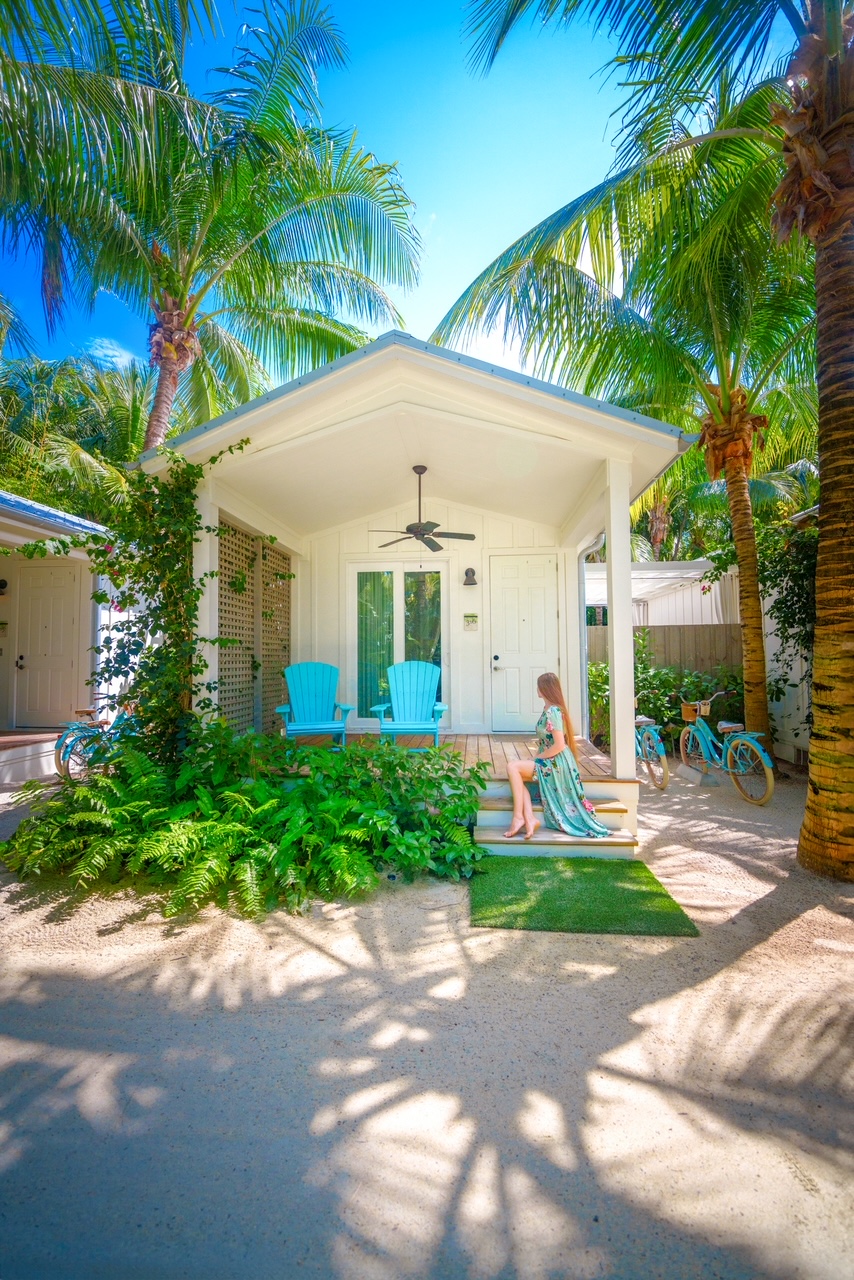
68	427
88	108
815	195
713	331
260	234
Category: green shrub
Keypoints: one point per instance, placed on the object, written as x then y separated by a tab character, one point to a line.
255	820
660	692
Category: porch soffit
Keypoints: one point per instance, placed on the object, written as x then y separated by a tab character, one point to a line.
342	445
334	477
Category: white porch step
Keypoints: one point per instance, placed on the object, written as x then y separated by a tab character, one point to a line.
546	843
495	811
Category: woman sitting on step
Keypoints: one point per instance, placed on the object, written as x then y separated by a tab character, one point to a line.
555	771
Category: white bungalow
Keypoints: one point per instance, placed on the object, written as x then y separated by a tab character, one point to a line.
536	473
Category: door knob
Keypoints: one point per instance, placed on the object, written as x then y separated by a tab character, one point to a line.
20	662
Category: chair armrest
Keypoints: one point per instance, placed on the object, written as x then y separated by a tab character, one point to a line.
344	706
379	709
284	711
439	710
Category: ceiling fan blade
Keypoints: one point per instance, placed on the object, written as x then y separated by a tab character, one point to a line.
469	537
431	543
405	538
401	531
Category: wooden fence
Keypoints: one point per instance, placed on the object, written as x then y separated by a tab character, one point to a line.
693	648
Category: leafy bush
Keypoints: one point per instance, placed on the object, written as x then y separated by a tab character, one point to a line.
257	820
660	692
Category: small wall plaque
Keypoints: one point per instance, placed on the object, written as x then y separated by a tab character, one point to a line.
4	626
469	622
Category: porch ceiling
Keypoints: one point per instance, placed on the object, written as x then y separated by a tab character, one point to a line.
348	473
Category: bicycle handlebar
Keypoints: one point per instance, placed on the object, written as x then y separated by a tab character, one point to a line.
721	693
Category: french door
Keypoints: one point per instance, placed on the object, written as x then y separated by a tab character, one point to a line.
397	613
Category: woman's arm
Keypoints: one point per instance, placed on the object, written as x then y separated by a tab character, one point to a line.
559	743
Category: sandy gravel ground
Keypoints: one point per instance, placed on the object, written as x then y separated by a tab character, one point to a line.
378	1091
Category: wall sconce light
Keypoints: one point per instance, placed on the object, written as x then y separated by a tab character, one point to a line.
470	580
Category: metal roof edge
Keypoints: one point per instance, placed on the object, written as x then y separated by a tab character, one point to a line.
397	337
41	514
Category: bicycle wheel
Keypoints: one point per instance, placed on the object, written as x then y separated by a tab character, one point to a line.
656	765
74	752
691	751
752	778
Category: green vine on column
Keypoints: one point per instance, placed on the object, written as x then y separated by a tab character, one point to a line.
152	653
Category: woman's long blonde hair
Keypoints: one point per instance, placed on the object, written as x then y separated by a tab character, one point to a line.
548	687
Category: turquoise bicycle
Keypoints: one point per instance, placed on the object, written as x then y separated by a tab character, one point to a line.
650	749
736	752
87	742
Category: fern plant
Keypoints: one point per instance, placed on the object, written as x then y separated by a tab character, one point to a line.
255	820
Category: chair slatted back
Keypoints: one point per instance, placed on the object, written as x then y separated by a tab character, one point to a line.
412	686
312	690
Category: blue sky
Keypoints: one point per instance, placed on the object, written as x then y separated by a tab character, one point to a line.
484	158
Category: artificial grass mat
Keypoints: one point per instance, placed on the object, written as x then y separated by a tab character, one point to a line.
575	895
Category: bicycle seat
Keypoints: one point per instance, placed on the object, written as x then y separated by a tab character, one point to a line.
642	720
728	726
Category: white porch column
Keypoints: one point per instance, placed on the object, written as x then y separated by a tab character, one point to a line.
206	559
620	634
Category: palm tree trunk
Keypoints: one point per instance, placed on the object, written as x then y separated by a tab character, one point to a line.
164	398
827	835
749	599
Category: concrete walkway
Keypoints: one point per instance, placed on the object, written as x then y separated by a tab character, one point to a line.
378	1091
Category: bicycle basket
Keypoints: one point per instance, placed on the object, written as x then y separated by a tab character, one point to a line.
689	712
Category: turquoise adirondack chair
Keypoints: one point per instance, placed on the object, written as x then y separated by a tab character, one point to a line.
312	687
414	709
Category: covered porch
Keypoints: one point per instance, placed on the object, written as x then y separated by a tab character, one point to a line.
527	476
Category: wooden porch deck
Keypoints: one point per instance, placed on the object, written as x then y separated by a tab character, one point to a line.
497	749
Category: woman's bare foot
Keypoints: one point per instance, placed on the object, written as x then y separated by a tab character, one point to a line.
529	830
515	829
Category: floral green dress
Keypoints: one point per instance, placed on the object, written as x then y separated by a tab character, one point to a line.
564	805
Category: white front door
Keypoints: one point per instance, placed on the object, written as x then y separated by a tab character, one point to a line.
523	608
47	644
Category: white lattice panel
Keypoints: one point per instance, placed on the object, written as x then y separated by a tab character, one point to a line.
275	632
237	558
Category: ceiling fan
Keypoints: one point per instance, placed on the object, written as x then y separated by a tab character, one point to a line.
422	530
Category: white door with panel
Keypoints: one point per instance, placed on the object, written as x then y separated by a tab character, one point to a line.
48	644
524	636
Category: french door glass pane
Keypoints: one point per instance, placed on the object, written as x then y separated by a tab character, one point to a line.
375	637
423	617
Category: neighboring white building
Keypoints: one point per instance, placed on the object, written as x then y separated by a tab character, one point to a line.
671	593
533	471
48	626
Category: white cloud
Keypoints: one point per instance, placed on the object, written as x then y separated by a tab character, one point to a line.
106	351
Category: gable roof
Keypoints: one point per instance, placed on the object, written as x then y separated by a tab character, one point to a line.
397	338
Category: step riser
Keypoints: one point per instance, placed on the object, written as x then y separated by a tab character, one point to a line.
509	850
500	818
604	790
554	844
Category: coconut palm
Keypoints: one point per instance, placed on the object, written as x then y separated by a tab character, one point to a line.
259	237
88	108
68	427
713	330
815	195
